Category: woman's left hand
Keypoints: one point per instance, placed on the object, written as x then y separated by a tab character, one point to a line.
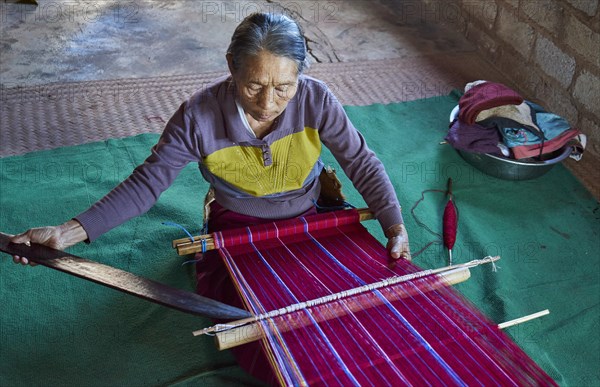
397	245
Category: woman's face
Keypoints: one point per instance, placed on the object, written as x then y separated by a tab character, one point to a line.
265	84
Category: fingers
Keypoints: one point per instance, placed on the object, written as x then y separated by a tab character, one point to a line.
406	255
48	236
400	251
25	239
22	238
22	260
397	245
398	248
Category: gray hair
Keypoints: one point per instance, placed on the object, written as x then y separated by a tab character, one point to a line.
275	33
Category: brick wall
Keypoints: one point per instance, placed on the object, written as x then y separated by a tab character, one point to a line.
550	49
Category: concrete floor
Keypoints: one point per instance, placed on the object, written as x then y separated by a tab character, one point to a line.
66	40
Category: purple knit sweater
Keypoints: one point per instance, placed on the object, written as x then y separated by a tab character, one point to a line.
275	177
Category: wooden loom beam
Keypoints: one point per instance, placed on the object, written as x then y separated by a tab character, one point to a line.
185	246
458	275
251	332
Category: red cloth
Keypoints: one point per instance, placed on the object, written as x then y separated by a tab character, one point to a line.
213	281
558	142
485	96
431	336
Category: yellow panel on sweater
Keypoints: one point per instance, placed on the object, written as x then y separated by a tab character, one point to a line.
293	158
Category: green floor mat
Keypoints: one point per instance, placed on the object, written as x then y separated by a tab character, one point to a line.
60	330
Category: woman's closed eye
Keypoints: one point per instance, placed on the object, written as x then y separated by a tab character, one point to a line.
254	89
282	91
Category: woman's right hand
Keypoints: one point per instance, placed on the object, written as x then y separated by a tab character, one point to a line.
56	237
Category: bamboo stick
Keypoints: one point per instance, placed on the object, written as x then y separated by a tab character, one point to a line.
350	292
185	246
523	319
252	332
248	333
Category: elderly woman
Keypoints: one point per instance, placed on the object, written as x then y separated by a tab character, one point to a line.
256	136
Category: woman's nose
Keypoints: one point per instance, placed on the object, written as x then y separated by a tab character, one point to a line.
265	99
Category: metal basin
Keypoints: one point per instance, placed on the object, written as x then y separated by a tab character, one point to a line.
511	169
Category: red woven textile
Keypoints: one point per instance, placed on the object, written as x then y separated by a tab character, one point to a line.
433	337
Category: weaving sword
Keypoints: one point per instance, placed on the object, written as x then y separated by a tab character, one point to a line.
121	280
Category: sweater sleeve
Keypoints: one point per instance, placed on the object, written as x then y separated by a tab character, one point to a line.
176	147
360	163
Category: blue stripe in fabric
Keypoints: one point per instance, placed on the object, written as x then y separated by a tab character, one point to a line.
451	321
321	333
426	345
398	372
326	322
378	310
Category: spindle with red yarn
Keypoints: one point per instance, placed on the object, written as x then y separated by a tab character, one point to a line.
450	223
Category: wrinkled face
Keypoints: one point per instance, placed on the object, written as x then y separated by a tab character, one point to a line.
265	84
